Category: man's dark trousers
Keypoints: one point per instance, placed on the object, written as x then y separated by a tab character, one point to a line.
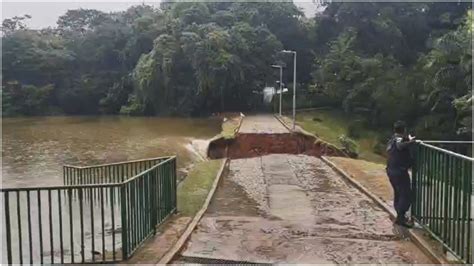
400	180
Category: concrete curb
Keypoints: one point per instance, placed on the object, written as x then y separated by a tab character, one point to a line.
419	242
278	117
173	251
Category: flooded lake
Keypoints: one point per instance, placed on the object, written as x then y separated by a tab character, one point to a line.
35	149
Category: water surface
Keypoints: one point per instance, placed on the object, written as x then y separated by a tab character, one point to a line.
35	149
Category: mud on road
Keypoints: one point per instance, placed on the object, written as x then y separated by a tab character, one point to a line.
284	208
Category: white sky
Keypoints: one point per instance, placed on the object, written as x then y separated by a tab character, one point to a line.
46	14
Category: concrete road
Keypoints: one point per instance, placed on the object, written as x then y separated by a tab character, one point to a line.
262	124
284	208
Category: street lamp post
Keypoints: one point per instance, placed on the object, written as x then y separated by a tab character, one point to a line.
281	81
294	84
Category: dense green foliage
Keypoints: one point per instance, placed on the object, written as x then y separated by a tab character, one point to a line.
409	61
379	61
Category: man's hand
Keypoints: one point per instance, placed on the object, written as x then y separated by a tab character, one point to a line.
411	138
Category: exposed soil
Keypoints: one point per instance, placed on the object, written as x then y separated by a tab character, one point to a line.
248	145
264	134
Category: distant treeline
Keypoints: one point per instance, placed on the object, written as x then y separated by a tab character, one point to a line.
381	61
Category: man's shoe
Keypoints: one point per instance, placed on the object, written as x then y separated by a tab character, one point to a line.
404	223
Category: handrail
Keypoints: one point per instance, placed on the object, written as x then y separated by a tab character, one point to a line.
447	151
148	170
117	163
93	185
60	219
449	141
12	189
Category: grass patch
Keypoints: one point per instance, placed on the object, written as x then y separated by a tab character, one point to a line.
371	175
229	128
194	189
330	124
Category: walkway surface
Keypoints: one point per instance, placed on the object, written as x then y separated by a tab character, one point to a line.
262	124
283	208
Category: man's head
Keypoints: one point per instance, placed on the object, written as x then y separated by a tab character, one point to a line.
399	127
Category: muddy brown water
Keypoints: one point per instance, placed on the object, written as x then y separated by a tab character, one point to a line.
35	149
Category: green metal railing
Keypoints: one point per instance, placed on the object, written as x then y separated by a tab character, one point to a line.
107	173
147	200
103	213
461	147
442	182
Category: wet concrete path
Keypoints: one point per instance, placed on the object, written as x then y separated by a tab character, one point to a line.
283	208
262	124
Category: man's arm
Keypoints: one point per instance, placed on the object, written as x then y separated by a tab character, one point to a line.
401	145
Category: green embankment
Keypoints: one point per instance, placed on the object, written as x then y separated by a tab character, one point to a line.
329	125
194	189
230	127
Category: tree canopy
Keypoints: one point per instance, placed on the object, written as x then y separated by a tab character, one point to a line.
390	61
382	61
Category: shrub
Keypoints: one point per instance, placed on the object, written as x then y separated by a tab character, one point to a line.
349	145
134	107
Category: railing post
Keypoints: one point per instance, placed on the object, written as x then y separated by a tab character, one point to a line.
445	196
7	225
466	223
174	186
414	184
154	195
470	251
123	210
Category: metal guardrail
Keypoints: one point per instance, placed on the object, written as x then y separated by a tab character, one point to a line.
442	182
107	173
460	147
102	214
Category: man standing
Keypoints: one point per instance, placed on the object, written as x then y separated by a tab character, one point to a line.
398	163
